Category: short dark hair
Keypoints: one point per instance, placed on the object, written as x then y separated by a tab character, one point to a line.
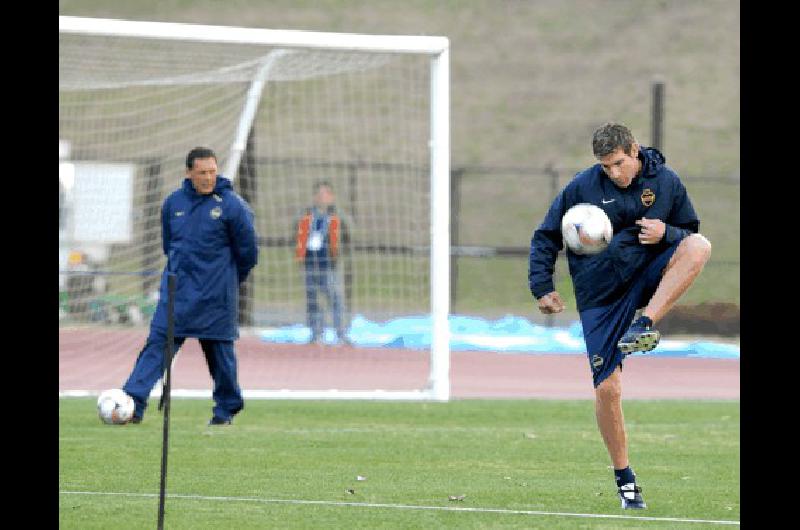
199	152
322	184
611	136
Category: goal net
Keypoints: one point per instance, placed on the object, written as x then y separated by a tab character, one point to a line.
283	110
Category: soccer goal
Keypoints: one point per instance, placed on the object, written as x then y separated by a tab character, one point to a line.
283	110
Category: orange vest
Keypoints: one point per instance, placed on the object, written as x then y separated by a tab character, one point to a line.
304	229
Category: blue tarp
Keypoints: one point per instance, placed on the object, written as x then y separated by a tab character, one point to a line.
510	334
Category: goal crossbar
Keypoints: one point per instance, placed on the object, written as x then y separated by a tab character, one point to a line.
433	45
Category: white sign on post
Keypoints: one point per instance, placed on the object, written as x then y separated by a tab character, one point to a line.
102	202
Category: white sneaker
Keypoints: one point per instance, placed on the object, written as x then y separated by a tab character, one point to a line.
631	496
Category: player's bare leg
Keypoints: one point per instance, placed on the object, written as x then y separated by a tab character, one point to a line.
610	421
684	266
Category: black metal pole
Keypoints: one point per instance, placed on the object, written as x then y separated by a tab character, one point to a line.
658	115
165	398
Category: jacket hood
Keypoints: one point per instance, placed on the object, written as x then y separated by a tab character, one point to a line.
652	160
223	184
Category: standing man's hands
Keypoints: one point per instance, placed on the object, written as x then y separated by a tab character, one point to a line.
551	303
652	230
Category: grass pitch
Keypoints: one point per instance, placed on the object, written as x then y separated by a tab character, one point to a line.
528	455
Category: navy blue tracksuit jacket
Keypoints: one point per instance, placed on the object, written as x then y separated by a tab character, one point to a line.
211	245
656	193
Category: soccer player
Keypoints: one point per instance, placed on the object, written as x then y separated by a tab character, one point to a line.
655	255
211	245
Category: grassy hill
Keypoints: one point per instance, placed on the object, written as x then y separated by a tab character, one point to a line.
530	82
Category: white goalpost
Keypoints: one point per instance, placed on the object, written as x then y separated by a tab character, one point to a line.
284	110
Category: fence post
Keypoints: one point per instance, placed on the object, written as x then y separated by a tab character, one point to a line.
550	171
455	211
657	135
347	257
151	241
352	188
247	180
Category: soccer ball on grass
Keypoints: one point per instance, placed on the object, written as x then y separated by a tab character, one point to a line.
115	407
586	229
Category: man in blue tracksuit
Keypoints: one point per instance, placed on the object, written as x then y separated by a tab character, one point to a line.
654	256
211	245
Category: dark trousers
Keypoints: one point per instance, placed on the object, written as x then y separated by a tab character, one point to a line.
220	358
323	280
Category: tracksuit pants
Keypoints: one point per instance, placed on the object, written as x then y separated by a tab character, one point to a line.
220	358
323	280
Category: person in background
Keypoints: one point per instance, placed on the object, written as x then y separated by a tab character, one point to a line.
320	235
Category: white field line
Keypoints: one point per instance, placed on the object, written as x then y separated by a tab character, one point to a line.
372	395
406	507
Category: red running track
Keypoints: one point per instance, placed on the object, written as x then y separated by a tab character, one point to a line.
96	360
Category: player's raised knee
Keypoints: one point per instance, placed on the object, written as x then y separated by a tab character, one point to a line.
699	248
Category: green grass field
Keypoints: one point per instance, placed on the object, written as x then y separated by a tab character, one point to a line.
537	455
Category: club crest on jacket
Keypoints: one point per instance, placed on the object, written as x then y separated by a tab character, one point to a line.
648	197
597	361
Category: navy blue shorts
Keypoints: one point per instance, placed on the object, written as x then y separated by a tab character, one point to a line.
604	326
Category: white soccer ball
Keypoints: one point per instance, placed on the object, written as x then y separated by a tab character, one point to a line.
586	229
115	407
